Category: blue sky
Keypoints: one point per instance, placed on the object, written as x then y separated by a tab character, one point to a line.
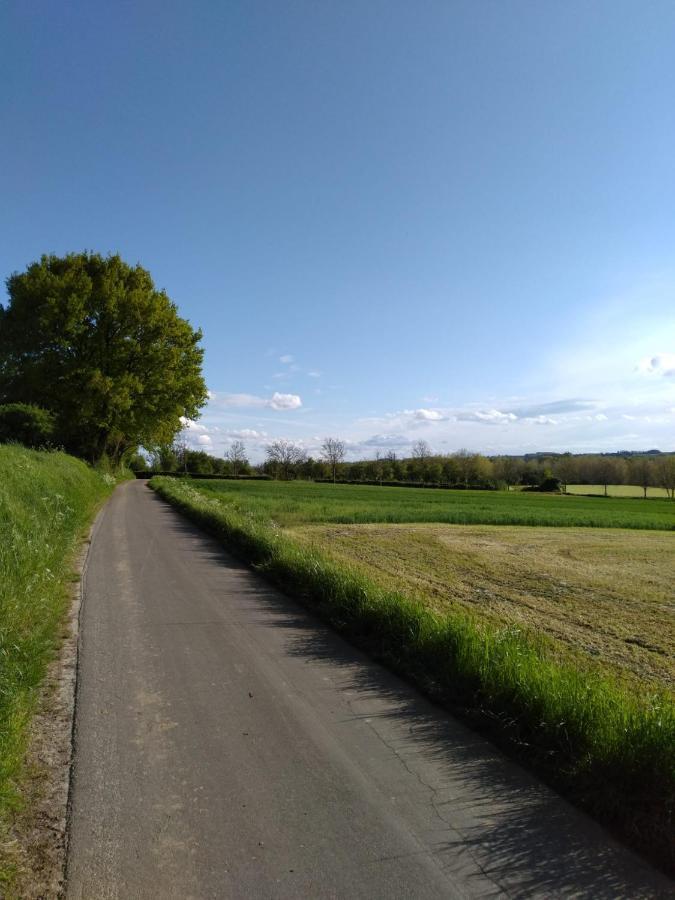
443	220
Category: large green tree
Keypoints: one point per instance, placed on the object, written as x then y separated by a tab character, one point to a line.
92	340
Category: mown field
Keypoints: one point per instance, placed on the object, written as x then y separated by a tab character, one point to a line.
607	597
47	501
618	490
557	640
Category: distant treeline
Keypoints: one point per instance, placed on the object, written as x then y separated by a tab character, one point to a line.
459	470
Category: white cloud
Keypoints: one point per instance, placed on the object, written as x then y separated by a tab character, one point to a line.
276	401
541	420
661	364
488	416
429	415
284	401
286	358
191	425
313	373
204	439
247	434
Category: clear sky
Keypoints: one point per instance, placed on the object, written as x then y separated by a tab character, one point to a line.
392	220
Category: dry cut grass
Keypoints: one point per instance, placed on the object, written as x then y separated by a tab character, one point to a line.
607	596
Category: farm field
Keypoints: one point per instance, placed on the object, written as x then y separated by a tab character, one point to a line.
606	596
304	502
618	490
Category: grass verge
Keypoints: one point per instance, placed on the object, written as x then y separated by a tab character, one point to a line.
607	749
47	501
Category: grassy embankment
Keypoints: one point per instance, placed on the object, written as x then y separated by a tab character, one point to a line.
47	501
606	745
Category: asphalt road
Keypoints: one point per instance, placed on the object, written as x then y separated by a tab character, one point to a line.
229	745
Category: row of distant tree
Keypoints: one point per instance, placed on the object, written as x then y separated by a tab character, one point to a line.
287	460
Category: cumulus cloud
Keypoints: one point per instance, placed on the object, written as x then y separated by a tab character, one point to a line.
284	401
204	439
429	415
541	420
286	358
191	425
661	364
276	401
488	416
247	434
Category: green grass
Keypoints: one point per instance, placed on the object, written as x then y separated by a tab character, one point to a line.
618	490
606	747
47	501
303	502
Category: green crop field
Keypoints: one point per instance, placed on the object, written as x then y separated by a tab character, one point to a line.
298	502
617	490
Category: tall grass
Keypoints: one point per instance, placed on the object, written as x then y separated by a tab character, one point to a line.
46	502
609	750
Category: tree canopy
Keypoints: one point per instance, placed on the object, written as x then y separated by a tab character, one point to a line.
92	340
26	424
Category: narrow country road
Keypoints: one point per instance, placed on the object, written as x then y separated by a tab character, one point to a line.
229	745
